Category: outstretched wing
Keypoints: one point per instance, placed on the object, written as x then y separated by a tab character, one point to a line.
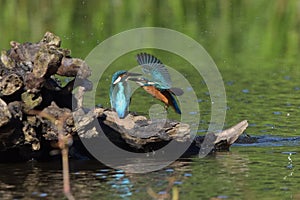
176	91
153	66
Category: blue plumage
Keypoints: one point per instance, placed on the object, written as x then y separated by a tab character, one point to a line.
159	84
156	69
120	93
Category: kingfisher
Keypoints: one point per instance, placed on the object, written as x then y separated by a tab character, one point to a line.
159	85
120	92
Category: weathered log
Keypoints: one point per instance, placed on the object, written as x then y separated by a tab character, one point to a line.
10	84
223	140
7	61
27	89
35	110
139	131
72	67
51	59
30	100
5	115
10	128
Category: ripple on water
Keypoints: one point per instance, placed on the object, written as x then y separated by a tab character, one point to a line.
277	113
246	91
289	152
187	175
169	170
39	194
273	141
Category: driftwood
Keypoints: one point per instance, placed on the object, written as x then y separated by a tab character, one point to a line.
33	103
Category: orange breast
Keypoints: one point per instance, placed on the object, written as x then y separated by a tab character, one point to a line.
156	93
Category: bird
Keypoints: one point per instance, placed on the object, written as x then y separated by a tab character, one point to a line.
120	92
159	85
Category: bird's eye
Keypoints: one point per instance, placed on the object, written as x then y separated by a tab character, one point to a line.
117	80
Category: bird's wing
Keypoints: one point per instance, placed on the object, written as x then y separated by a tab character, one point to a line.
176	91
153	66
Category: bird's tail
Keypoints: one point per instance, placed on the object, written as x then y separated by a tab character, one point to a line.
173	102
175	105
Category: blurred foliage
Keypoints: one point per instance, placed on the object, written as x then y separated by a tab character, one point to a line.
233	29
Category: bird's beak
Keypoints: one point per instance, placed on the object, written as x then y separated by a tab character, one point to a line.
134	79
138	80
133	74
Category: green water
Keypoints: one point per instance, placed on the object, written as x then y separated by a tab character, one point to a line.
255	45
243	173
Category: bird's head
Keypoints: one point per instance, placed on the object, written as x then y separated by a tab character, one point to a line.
122	75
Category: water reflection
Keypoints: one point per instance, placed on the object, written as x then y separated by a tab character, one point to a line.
89	180
254	172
